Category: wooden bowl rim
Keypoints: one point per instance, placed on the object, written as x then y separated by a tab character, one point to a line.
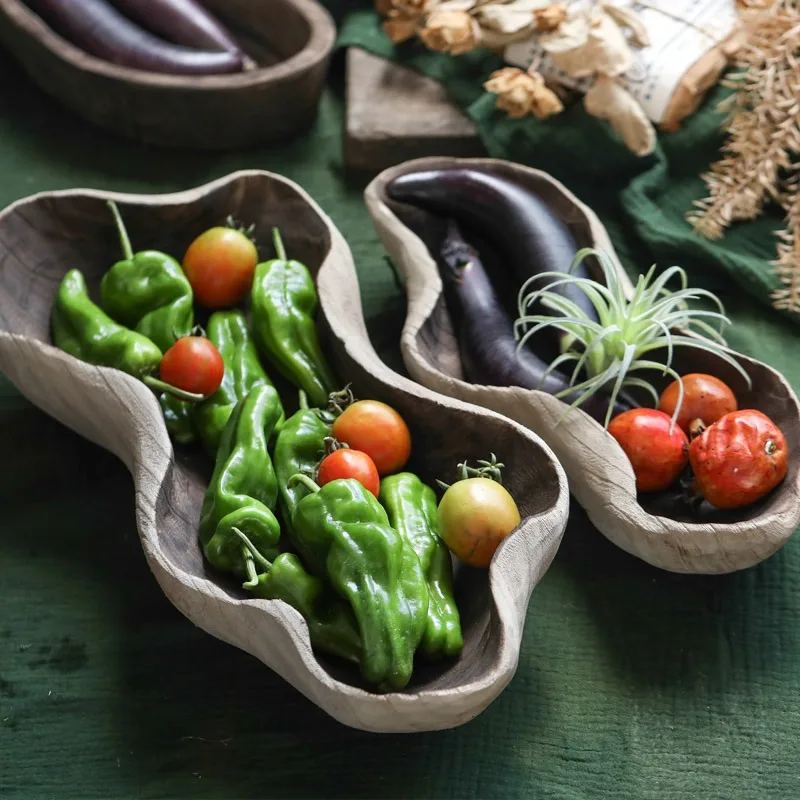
363	708
317	49
650	524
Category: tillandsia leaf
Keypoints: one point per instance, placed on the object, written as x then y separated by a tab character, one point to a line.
556	363
709	347
557	302
562	325
597	383
640	383
591	349
627	358
653	318
595	297
524	299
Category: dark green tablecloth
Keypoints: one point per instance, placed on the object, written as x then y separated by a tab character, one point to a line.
632	683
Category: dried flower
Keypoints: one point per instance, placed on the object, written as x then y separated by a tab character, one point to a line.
582	47
763	139
607	99
550	17
400	29
405	8
403	17
521	93
453	32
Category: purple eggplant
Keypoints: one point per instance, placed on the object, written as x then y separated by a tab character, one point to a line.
183	22
486	333
101	30
523	228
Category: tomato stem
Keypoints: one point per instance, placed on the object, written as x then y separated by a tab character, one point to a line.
124	240
181	394
339	401
279	248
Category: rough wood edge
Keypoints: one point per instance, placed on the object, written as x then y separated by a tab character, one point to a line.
318	48
600	475
142	443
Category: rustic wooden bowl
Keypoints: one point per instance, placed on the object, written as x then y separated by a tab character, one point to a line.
600	475
291	40
43	236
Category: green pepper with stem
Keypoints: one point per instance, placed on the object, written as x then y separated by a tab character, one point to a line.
229	332
243	488
347	539
298	448
179	419
411	507
85	331
331	624
283	302
147	291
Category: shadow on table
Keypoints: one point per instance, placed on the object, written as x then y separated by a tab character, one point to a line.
664	629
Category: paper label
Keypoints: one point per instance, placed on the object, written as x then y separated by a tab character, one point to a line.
657	69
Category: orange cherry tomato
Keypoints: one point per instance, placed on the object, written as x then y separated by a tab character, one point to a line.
475	515
194	365
657	455
378	430
220	265
347	463
704	397
739	459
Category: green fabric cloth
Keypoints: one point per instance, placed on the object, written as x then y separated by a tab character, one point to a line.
632	682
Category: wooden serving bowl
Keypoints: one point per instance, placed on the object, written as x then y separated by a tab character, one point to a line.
291	40
43	236
600	475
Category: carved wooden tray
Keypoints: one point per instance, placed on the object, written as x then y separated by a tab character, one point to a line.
43	236
600	475
291	40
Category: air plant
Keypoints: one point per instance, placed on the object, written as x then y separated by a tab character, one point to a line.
609	350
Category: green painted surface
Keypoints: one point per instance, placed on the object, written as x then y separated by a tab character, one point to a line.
632	683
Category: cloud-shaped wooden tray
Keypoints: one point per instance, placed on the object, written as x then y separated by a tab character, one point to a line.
43	236
600	475
292	41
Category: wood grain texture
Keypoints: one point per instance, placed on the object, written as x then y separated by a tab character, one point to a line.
600	475
291	40
395	114
43	236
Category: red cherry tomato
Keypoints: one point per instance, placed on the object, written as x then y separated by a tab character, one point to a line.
378	430
704	397
194	365
739	459
475	515
220	265
347	463
657	455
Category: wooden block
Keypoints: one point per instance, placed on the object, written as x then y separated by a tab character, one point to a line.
395	114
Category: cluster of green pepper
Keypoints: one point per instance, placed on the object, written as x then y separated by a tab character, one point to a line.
370	575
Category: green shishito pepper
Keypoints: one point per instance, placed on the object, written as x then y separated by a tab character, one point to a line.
332	625
411	508
243	488
228	331
283	302
179	419
82	329
347	538
298	448
147	291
